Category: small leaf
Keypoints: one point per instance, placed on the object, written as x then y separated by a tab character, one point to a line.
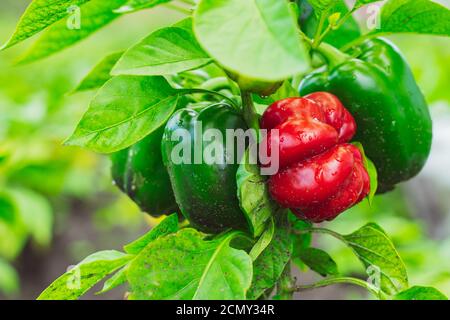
125	110
371	170
319	261
36	214
338	37
166	51
9	279
119	278
78	280
100	74
373	247
334	18
321	6
185	266
270	264
420	293
94	15
415	16
167	226
263	241
257	39
135	5
253	194
39	15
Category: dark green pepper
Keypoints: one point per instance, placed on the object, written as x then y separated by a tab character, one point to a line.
378	88
139	172
206	192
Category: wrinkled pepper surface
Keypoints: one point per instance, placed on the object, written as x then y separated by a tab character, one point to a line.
321	175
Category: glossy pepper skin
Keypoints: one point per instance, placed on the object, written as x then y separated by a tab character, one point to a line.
320	175
393	119
140	173
205	192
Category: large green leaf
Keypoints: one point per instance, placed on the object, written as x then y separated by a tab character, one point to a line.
257	39
134	5
165	51
78	280
375	250
100	74
420	293
94	15
253	194
270	264
39	15
186	266
125	110
167	226
416	16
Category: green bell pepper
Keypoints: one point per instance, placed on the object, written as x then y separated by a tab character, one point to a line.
139	172
206	191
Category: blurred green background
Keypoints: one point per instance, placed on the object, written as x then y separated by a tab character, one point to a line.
57	204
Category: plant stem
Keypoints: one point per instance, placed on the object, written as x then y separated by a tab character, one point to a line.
316	42
285	285
323	231
333	55
205	91
337	280
250	115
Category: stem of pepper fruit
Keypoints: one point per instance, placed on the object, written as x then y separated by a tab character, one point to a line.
333	55
251	117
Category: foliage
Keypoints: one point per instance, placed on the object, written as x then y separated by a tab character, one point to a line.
140	88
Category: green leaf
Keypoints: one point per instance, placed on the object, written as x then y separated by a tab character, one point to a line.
7	210
360	3
78	280
263	241
323	5
270	264
36	214
100	74
301	241
319	261
375	250
39	15
185	266
167	226
253	194
9	279
135	5
119	278
257	39
125	110
371	170
420	293
166	51
94	15
415	16
347	32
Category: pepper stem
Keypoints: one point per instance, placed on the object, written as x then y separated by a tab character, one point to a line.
333	55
